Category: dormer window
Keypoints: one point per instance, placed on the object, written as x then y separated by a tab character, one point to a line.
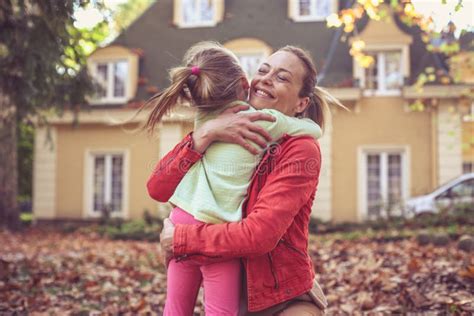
385	75
112	77
250	62
115	69
389	48
311	10
198	13
251	53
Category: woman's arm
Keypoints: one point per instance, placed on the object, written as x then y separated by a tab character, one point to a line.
288	187
236	128
230	126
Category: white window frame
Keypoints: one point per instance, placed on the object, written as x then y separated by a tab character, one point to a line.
182	22
295	6
88	198
260	55
381	76
467	165
384	150
359	71
109	98
469	117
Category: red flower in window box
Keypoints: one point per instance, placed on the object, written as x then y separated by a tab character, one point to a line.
152	89
142	81
138	51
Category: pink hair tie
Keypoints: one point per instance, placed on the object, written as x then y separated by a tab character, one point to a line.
195	70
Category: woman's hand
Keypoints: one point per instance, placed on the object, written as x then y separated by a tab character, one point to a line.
233	127
166	240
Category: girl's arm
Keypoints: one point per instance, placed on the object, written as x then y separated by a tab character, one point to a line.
171	169
288	187
230	126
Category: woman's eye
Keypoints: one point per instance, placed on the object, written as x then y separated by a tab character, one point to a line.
262	71
282	78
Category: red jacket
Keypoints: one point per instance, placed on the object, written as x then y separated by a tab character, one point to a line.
272	238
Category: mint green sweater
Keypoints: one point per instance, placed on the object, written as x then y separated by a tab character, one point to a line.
215	187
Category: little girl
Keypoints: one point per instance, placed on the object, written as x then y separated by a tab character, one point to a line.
215	187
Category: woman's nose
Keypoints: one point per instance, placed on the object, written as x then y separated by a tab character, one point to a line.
267	78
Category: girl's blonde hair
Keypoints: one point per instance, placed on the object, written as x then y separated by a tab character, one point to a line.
209	77
319	98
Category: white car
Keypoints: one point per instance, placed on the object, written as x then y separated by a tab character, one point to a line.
455	192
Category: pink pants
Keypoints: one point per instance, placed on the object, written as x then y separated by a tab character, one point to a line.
221	282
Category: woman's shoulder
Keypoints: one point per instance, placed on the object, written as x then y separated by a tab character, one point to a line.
300	146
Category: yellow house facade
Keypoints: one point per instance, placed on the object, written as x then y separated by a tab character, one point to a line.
380	152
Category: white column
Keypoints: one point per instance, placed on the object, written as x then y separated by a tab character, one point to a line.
44	173
170	135
449	141
322	203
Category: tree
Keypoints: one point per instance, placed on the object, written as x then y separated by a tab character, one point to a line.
41	57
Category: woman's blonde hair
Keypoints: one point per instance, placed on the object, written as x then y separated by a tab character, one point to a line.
319	98
209	77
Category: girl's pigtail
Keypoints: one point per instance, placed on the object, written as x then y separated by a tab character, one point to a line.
165	100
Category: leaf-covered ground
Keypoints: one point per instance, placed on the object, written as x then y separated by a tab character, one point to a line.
53	273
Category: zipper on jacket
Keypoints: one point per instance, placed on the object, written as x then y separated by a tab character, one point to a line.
286	243
186	256
273	270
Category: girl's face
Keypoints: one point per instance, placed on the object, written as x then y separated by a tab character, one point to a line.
277	84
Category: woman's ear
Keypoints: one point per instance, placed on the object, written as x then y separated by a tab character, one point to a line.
302	105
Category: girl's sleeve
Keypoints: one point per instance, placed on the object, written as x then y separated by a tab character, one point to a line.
293	126
288	187
169	171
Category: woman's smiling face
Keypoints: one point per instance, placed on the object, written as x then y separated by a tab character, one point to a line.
277	84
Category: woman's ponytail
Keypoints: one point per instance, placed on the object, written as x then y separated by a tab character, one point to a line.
319	98
318	107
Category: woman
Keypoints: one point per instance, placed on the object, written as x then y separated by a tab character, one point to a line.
273	236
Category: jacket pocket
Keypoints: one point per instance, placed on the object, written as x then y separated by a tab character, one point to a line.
285	263
293	248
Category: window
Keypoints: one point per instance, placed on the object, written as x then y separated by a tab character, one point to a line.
467	167
250	52
112	78
198	13
385	74
384	175
250	62
312	10
460	194
108	182
468	115
464	189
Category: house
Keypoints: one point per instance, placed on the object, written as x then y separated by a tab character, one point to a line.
377	154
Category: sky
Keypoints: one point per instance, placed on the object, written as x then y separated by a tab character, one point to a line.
441	13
